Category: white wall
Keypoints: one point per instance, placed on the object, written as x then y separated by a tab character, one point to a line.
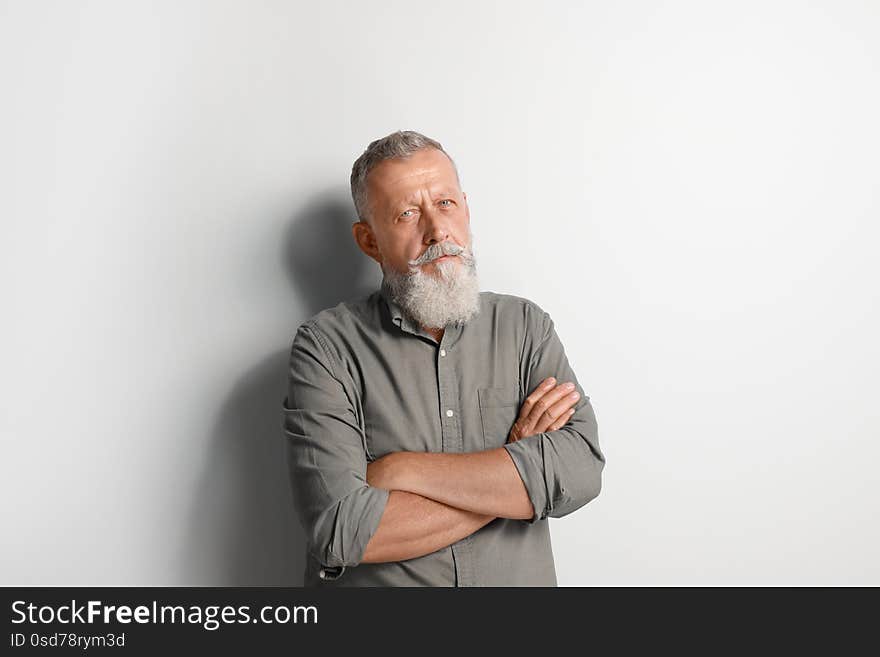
689	188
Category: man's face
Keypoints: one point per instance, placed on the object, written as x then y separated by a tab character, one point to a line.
420	235
414	203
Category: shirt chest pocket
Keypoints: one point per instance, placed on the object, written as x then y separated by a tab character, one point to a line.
499	408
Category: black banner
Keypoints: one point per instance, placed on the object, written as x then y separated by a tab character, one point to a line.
145	619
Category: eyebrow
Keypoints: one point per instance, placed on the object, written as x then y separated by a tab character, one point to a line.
441	193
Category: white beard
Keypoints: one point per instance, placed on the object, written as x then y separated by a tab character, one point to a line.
450	294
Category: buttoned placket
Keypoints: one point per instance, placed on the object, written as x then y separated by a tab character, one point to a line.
453	439
450	426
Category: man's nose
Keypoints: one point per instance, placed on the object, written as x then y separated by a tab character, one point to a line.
436	226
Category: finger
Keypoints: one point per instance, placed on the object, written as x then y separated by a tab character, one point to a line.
562	421
514	434
525	408
559	423
545	386
557	410
545	398
546	402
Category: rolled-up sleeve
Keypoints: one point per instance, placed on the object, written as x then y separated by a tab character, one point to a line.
562	469
327	462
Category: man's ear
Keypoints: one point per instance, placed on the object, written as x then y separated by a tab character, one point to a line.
366	240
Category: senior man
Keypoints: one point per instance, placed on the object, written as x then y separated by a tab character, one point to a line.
430	429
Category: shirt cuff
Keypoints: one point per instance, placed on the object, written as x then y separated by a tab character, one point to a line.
528	457
356	519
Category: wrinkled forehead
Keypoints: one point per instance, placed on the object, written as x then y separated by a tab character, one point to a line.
398	179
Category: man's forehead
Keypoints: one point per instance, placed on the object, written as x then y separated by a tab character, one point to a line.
397	176
414	176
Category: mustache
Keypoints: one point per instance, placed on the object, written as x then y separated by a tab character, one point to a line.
439	250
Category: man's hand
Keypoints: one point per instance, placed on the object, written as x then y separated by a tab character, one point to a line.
546	409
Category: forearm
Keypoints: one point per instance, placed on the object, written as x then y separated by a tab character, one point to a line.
484	482
413	526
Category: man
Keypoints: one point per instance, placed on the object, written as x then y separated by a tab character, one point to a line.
430	433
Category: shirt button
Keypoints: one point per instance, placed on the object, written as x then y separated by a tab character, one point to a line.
449	413
442	352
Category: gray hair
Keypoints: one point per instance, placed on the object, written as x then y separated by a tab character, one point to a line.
400	144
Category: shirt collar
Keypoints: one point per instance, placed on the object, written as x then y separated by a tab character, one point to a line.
394	309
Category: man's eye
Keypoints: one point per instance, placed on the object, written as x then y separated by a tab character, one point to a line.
446	200
405	215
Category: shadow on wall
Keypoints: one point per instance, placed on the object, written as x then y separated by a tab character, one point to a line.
244	528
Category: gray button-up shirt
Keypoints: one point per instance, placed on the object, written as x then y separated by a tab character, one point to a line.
365	380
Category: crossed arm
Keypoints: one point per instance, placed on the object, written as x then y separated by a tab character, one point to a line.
437	499
408	504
